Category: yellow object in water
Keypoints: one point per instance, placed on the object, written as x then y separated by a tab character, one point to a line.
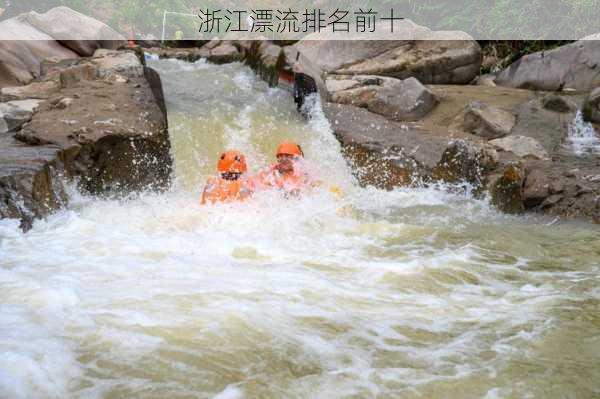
248	253
346	210
337	192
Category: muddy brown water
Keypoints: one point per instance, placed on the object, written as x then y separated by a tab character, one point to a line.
414	293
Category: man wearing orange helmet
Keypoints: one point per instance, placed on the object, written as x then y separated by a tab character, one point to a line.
232	184
287	174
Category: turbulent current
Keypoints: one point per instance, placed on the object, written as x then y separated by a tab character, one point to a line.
413	293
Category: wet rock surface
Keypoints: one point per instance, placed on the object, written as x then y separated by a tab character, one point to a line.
265	58
104	126
466	161
384	153
537	188
506	189
31	185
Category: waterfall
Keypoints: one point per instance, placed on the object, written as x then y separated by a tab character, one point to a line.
582	138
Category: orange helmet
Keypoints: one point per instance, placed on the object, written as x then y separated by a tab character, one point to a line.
289	148
232	162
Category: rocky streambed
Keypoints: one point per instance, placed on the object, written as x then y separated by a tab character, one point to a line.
98	121
407	113
413	113
405	289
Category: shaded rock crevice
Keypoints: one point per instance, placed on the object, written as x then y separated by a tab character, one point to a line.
31	181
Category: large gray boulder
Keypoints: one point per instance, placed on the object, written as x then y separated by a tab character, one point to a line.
224	53
27	40
431	57
521	146
14	114
76	31
573	66
485	121
111	63
383	153
21	57
399	100
591	107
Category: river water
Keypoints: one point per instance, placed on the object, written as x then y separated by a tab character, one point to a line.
414	293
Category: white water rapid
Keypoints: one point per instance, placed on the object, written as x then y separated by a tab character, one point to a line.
413	293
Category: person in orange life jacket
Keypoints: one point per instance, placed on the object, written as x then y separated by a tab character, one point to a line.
287	174
232	184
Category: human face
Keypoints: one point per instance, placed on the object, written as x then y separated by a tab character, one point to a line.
230	175
285	163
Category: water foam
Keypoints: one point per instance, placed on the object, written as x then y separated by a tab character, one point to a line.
582	138
404	293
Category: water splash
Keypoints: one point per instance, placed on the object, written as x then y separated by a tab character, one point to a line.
407	293
582	138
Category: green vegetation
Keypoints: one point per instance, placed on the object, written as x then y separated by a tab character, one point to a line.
499	19
150	15
14	8
498	54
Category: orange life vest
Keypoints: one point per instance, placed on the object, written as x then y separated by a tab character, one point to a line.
218	189
289	182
